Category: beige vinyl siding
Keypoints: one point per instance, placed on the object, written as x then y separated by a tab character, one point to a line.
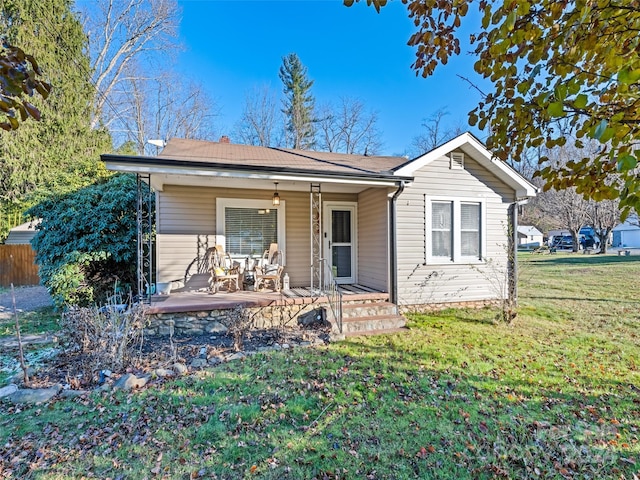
421	281
187	214
174	253
373	236
186	210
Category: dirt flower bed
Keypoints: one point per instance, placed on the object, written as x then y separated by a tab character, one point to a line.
76	370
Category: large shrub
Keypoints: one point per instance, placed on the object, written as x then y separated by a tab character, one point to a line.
86	243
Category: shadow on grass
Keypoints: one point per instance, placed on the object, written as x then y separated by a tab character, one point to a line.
381	408
484	316
578	299
580	259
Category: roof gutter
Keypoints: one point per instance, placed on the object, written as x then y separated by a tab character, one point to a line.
393	254
263	173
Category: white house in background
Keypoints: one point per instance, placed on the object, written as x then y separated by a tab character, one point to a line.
627	234
22	234
529	235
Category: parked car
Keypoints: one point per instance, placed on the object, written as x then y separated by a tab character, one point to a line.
587	241
563	242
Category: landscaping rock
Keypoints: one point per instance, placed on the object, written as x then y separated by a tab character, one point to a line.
129	381
214	361
73	393
180	368
8	390
35	395
236	356
198	363
163	372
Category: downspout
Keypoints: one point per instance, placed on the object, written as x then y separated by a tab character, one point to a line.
393	257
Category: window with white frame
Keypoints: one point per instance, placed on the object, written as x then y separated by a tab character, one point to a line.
441	216
470	229
249	227
455	230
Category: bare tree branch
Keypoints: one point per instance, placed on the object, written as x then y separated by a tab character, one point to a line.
261	123
121	31
348	128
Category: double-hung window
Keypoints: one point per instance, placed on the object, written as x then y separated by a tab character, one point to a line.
455	230
470	230
441	223
249	227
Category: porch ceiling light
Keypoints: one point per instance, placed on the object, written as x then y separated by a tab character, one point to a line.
276	197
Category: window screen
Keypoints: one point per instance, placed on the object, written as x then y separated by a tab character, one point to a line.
250	231
470	229
441	229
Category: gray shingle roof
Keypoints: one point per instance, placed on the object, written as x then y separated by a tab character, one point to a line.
213	153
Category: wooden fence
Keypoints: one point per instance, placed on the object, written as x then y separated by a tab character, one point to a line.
17	265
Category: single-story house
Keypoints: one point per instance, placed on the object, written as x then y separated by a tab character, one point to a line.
627	234
529	235
411	233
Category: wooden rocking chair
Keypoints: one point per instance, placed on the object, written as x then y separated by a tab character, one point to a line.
270	269
223	270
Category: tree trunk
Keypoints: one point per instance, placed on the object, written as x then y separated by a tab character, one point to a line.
575	234
603	236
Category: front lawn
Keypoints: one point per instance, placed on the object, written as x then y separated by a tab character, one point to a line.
556	394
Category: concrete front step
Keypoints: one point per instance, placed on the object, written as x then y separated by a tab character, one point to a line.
359	310
372	323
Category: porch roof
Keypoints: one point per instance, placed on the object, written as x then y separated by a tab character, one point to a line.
220	159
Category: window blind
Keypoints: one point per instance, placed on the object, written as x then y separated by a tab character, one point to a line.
250	231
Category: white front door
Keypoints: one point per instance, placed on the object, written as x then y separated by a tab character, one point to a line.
340	240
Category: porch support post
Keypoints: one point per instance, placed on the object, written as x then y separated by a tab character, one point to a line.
316	237
144	223
393	245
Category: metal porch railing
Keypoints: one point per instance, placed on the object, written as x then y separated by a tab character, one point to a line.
334	296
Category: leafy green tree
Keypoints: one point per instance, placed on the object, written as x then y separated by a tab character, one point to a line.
558	69
86	242
18	77
299	103
61	152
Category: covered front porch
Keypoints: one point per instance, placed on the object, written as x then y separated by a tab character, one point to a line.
330	215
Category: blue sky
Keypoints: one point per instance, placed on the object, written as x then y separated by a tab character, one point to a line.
234	46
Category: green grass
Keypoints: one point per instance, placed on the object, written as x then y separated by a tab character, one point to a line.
41	321
556	394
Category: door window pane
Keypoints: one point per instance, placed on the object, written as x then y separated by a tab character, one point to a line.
441	213
341	261
341	226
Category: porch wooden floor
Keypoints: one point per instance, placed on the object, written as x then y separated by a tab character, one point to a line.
200	301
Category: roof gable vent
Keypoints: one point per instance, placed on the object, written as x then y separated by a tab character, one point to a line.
456	160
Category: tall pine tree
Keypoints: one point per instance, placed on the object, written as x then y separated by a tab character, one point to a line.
61	152
299	103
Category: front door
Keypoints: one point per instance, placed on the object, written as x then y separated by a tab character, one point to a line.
340	240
